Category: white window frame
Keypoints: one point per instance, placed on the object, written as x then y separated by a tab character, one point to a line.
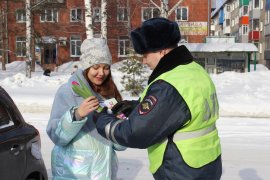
97	14
122	14
254	1
77	17
180	10
245	29
267	17
151	13
20	16
21	42
123	45
75	42
47	13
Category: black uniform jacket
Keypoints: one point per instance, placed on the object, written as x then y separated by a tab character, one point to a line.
160	114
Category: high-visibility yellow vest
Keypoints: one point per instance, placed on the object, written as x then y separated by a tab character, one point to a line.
198	140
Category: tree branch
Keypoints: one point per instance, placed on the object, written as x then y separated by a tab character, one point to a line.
174	7
154	4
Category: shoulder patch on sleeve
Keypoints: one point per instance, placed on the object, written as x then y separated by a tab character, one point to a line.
147	105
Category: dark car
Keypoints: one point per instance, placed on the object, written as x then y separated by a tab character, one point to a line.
20	146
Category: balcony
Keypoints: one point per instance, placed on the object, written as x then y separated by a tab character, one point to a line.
267	29
243	20
227	30
255	14
254	36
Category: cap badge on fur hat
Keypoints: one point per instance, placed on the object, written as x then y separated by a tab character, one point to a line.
95	51
155	34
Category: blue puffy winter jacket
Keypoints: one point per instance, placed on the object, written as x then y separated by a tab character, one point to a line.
79	151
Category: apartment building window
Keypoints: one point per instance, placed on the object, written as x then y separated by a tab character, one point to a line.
267	42
267	17
76	15
97	14
228	22
245	29
245	10
122	14
150	12
256	4
256	24
75	45
123	46
20	46
49	15
228	8
184	39
182	14
20	16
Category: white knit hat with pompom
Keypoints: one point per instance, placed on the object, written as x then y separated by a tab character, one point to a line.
95	51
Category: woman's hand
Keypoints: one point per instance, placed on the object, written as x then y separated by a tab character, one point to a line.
88	105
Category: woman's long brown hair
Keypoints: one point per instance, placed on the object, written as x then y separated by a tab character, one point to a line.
108	88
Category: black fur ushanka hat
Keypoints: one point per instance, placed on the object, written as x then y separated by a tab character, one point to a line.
155	34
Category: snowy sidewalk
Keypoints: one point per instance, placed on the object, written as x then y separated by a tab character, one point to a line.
245	149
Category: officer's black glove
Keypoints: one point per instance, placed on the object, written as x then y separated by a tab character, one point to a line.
124	107
97	114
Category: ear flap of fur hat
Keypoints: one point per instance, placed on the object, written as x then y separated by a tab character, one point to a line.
155	34
95	51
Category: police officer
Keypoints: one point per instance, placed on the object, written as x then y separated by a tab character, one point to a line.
175	118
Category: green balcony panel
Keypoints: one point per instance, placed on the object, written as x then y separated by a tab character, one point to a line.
243	2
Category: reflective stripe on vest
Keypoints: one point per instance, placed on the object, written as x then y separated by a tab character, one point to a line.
194	134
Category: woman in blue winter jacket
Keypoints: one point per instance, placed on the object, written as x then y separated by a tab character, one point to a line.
79	151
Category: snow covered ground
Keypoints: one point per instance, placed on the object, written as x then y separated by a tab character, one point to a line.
244	125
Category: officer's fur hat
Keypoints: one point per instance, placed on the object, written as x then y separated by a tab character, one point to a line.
155	34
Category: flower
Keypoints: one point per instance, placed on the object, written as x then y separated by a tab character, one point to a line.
75	83
82	90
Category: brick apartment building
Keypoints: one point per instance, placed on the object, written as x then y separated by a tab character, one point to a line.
59	28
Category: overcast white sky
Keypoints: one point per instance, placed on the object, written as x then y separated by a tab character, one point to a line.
244	125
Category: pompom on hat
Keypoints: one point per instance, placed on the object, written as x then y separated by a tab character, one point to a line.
95	51
155	34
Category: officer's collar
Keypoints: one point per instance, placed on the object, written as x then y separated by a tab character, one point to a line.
176	57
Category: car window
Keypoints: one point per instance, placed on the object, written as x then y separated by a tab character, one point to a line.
5	119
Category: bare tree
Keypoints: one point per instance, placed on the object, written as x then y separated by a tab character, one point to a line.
104	19
28	38
164	8
4	33
88	19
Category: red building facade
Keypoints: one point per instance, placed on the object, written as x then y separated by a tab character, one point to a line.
59	26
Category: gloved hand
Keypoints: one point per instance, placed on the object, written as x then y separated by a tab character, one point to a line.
97	114
124	107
